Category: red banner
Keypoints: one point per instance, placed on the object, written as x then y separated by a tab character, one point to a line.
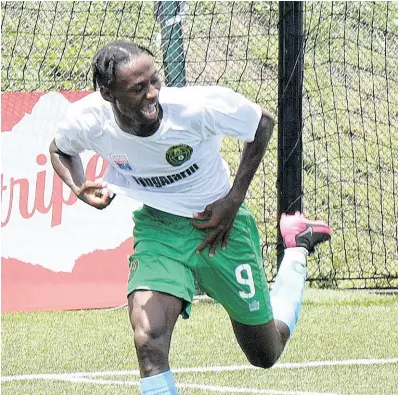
57	252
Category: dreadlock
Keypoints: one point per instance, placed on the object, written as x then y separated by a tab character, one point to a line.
110	57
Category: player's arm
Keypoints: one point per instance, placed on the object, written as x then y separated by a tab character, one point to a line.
220	215
252	156
69	168
70	171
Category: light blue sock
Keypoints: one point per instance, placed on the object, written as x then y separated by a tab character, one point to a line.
287	293
161	384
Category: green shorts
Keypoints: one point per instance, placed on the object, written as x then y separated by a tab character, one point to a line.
165	260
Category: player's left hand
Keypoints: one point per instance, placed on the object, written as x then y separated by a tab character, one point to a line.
218	217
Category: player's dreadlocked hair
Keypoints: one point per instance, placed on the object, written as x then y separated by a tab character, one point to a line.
112	55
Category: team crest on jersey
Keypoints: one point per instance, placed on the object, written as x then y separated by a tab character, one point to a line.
122	162
133	267
178	154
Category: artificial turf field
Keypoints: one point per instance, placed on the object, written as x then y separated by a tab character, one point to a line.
346	342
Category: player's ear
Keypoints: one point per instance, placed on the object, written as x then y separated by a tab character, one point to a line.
106	93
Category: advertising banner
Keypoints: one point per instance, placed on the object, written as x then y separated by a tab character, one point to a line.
57	252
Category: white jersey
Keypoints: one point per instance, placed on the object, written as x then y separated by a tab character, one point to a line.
179	169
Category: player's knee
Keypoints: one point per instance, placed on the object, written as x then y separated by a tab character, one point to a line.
264	363
149	337
263	360
267	363
152	350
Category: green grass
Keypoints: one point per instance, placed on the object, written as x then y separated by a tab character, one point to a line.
334	325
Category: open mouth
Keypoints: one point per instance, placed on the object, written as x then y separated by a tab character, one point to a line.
150	111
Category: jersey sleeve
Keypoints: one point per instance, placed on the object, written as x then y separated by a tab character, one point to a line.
72	135
229	113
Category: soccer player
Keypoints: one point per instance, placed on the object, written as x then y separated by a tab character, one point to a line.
163	146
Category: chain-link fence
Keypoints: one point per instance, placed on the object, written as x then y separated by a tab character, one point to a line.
350	145
350	106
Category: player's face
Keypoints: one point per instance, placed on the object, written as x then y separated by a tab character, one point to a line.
136	92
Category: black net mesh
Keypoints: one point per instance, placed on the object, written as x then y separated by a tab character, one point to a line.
350	144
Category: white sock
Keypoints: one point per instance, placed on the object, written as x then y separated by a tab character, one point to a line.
287	292
161	384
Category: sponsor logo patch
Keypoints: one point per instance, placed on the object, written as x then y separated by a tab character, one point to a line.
254	306
122	162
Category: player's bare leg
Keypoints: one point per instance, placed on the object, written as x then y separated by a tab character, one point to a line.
263	344
153	316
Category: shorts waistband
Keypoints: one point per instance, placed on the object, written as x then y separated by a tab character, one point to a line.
162	214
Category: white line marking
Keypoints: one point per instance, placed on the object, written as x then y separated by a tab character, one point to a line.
72	379
229	390
288	365
235	390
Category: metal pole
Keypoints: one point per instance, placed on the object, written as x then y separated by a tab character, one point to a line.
291	60
172	42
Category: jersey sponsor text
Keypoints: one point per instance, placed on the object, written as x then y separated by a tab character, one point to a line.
161	181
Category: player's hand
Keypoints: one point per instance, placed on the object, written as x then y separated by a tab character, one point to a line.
218	217
95	194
